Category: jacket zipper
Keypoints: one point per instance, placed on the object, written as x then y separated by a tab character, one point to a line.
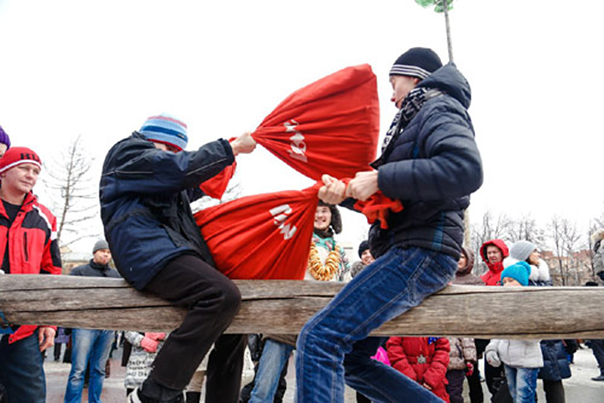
26	252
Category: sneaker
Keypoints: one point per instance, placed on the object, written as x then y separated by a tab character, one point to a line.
598	378
133	397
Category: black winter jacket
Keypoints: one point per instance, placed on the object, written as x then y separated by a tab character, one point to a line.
93	269
432	166
145	203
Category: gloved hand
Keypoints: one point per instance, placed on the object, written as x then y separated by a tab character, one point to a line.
149	344
155	336
469	368
493	358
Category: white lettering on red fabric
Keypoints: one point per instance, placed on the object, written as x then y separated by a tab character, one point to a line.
281	213
298	146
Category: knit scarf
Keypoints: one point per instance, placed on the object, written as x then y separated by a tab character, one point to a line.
411	105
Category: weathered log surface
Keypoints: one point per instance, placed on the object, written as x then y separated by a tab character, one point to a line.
276	306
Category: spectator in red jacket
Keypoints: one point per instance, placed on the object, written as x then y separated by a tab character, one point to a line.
423	359
28	245
493	252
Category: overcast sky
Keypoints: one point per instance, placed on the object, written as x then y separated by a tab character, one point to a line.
99	68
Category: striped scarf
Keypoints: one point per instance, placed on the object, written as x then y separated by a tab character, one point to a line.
411	105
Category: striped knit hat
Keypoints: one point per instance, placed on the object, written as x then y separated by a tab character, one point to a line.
416	62
167	130
17	156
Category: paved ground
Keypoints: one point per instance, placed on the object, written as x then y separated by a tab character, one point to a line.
579	389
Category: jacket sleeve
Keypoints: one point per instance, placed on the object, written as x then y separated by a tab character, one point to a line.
469	349
449	165
150	170
134	338
51	259
435	375
398	358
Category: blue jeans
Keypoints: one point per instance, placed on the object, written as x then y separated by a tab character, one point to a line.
522	383
22	370
333	346
274	357
92	346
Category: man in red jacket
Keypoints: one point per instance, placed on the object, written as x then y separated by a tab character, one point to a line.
493	252
28	245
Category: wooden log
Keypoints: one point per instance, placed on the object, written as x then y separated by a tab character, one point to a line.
278	306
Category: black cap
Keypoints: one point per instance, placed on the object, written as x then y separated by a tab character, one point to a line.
416	62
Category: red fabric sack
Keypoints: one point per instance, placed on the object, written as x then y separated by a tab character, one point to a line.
264	236
216	186
330	126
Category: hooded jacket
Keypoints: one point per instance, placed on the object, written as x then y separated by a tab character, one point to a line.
421	360
33	246
493	276
432	167
145	198
464	275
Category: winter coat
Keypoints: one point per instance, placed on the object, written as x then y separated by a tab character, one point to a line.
598	249
93	269
34	249
517	353
462	351
493	276
139	362
539	273
555	361
432	167
464	275
145	198
324	247
422	361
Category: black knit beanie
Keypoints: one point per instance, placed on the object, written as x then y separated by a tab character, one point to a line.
363	247
416	62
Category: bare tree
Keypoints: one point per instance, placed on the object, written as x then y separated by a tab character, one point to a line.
73	195
526	228
565	239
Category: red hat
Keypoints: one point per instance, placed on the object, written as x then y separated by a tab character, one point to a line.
19	155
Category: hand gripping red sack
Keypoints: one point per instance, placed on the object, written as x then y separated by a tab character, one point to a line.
265	236
330	126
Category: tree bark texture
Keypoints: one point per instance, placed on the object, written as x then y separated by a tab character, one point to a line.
283	306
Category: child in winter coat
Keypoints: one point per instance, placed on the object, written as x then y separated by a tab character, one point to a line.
423	359
522	359
462	361
144	349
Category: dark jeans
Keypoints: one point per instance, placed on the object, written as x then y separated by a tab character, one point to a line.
212	301
494	376
455	386
597	345
476	394
554	391
22	370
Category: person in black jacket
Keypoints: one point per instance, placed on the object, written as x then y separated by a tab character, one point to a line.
430	162
146	187
90	347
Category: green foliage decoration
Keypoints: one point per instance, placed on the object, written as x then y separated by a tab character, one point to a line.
439	5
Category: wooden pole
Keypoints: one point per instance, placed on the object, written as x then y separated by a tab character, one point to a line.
279	306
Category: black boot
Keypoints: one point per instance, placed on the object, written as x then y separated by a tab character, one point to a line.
193	397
